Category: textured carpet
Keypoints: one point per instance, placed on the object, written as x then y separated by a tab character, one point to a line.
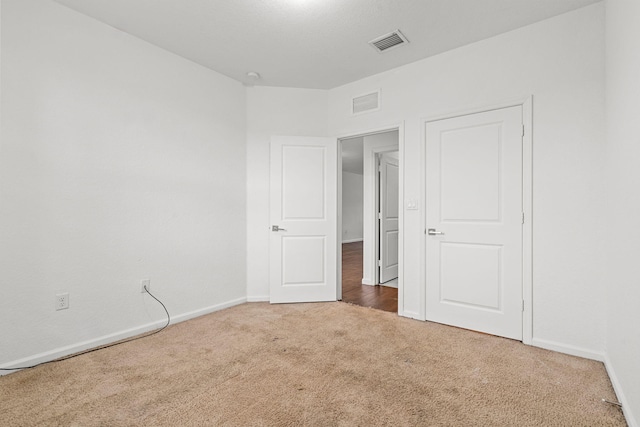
326	364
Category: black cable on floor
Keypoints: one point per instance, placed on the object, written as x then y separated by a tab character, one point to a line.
104	346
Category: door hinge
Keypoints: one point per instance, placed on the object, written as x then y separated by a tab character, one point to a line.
523	306
379	215
379	263
523	217
522	130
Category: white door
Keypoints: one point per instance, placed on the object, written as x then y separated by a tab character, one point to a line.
303	213
474	221
388	215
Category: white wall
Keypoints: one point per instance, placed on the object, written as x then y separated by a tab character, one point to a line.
351	206
623	202
119	161
561	63
272	111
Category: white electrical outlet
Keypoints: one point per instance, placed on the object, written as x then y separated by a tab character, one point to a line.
146	283
62	301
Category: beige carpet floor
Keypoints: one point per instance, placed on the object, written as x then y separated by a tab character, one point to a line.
325	364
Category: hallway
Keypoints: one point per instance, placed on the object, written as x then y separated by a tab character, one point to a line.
354	292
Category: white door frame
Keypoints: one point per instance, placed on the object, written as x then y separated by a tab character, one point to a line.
527	203
371	157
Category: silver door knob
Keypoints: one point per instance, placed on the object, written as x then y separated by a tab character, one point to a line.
277	228
434	232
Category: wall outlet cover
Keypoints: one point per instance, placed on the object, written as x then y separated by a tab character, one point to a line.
62	301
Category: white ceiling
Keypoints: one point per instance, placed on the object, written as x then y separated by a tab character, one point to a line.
313	43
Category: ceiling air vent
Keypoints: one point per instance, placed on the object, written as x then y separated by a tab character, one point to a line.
388	41
365	103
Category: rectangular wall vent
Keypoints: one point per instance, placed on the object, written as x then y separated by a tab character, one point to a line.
388	41
365	103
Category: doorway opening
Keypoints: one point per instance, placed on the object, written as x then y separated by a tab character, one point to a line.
368	226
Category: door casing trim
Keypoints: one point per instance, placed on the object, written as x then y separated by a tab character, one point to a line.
384	129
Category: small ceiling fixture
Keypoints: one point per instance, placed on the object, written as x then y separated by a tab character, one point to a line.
252	78
388	41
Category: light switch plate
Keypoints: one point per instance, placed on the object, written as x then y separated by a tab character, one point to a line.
412	204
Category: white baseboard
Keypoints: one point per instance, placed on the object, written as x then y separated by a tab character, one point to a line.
568	349
366	281
117	336
201	312
626	407
391	284
411	315
258	299
353	240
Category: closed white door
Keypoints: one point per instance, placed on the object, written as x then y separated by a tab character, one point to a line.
303	212
474	220
388	215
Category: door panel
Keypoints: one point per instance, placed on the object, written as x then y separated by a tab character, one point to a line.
470	173
303	213
389	181
303	182
474	198
303	260
482	267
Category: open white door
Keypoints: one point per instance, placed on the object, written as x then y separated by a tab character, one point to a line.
474	220
303	212
388	215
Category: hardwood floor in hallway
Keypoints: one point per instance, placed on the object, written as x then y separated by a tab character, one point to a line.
353	291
